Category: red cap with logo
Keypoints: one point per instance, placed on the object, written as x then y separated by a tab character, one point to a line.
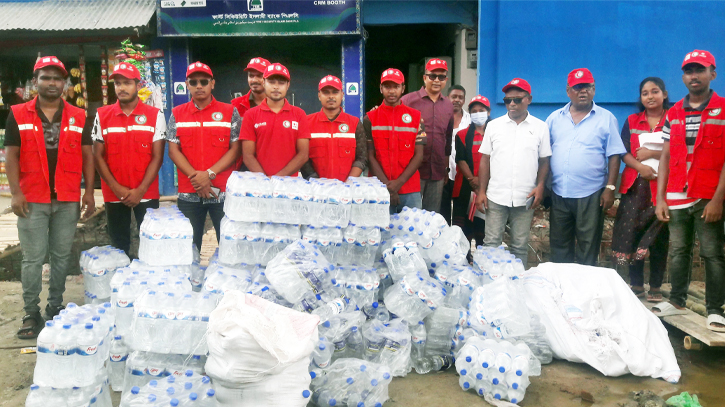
580	75
276	69
392	75
480	99
697	56
435	63
330	80
44	62
126	70
517	83
258	64
198	67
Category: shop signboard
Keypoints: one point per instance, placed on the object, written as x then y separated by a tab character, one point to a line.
194	18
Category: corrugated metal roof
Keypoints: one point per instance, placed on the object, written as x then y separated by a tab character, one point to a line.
61	15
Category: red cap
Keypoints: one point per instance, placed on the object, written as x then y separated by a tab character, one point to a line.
330	80
198	67
126	70
580	75
480	99
697	56
43	62
392	75
517	83
276	69
435	63
258	64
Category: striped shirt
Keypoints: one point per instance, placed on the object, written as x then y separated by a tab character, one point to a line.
693	119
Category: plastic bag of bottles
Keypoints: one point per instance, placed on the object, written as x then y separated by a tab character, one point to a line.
298	270
169	322
73	348
402	256
261	287
388	344
166	237
189	389
254	242
440	327
354	382
359	284
500	369
343	334
501	305
370	202
96	394
144	367
415	296
98	265
221	278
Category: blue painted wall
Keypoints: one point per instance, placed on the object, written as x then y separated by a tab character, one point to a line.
621	42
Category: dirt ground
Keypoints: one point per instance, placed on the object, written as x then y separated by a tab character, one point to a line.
561	384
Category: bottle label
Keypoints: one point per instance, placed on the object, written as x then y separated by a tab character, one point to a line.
337	305
124	303
500	332
420	340
340	347
155	371
306	306
375	347
406	288
322	365
170	314
118	357
573	313
392	346
368	286
178	373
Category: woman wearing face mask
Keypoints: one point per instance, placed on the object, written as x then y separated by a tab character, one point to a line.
468	158
636	228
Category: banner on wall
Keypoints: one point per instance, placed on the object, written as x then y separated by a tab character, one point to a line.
182	18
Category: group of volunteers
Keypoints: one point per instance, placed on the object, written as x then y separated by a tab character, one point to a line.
483	174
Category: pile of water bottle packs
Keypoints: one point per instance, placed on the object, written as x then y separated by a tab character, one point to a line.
189	389
95	395
140	368
98	266
166	238
254	197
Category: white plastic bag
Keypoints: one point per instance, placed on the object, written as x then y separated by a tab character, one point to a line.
592	316
250	338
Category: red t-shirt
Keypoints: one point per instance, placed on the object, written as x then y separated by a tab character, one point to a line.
276	134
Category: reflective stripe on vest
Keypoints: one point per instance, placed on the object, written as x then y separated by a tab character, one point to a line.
25	127
114	130
320	135
76	129
343	135
715	122
137	127
217	124
408	129
381	128
188	124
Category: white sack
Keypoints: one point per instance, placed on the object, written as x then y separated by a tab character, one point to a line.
592	316
250	338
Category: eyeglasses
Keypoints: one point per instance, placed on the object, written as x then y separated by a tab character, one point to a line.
203	82
517	101
433	77
582	86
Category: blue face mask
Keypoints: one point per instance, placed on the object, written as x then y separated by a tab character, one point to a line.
479	118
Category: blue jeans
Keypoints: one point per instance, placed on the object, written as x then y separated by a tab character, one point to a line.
411	200
47	230
519	220
683	225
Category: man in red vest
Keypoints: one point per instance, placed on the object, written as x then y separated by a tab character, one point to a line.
691	187
275	137
337	145
395	143
255	78
203	137
128	147
46	155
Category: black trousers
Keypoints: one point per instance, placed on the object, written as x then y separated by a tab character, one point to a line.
447	201
196	212
118	221
576	229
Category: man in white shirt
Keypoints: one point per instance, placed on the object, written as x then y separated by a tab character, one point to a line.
514	166
461	120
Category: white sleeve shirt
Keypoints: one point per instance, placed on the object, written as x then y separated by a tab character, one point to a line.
515	151
465	122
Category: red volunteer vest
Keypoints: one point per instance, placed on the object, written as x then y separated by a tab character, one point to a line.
242	103
708	155
128	142
204	139
33	159
638	125
477	139
394	132
332	144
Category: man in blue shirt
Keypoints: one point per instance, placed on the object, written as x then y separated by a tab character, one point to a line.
586	149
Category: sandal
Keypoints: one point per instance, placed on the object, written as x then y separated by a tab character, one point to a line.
51	311
639	293
654	296
31	331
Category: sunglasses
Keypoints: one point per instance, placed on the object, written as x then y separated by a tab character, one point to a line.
517	101
433	77
203	82
579	87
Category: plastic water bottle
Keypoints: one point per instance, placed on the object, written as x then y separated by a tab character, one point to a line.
117	363
322	354
86	357
355	345
46	363
64	374
433	363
